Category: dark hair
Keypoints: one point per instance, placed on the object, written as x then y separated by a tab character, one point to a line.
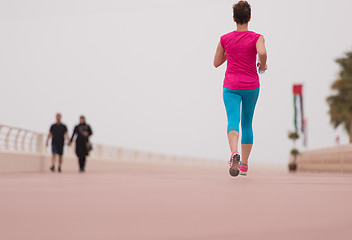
242	12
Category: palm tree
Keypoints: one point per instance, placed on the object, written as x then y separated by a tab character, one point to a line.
341	103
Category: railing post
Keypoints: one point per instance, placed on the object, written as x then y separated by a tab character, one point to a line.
23	141
7	139
15	147
31	143
119	154
39	143
0	131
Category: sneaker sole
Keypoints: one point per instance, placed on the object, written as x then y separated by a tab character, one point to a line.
234	170
243	173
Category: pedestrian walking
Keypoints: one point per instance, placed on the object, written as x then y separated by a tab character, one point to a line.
82	132
57	133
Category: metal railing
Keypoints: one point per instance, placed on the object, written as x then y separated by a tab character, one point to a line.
18	140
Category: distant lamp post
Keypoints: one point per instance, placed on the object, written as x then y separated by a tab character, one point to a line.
299	123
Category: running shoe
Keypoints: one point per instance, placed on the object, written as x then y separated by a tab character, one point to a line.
243	168
59	169
234	163
52	168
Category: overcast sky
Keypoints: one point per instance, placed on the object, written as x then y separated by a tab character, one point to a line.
141	71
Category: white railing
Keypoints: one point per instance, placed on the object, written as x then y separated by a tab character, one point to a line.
18	140
13	139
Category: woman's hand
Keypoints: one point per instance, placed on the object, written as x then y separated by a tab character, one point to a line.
261	67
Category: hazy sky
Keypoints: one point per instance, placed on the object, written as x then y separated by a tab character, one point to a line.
141	71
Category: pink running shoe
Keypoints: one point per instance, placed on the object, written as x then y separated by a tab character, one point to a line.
243	168
234	164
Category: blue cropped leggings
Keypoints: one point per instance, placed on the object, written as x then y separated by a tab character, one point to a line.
233	99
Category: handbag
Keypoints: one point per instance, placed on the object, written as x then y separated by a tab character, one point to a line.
89	146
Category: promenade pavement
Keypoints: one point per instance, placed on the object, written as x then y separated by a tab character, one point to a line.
175	203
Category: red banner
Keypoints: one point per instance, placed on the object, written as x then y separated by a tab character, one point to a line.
297	89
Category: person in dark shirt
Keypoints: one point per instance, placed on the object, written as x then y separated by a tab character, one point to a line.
57	133
82	131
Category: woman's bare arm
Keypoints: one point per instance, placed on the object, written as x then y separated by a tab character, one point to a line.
261	50
220	56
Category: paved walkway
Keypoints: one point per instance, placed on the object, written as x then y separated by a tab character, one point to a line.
200	204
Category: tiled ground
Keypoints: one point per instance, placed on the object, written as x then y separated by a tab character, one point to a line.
182	204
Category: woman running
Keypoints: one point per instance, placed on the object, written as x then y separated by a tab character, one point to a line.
241	83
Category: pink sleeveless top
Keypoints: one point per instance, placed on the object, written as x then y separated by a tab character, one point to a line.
241	54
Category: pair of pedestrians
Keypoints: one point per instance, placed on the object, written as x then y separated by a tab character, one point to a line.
58	132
